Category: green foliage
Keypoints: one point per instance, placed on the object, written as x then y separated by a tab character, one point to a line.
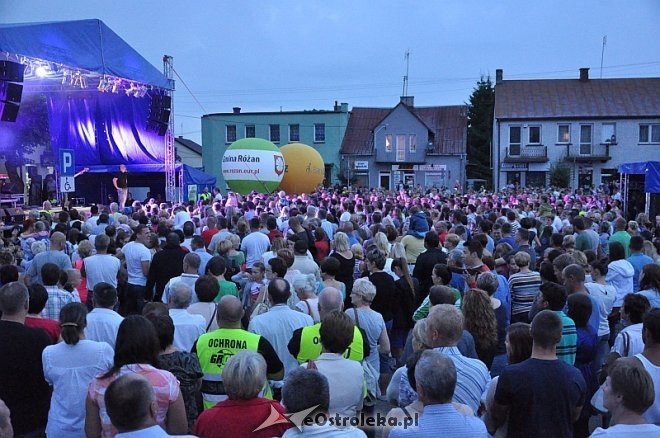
560	175
35	131
480	130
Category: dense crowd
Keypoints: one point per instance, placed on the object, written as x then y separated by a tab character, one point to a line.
518	313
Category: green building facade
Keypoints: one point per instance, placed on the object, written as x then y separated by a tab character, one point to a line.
321	129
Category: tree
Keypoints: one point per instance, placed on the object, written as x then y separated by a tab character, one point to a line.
480	130
560	175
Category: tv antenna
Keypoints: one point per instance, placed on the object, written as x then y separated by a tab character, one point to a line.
602	55
405	78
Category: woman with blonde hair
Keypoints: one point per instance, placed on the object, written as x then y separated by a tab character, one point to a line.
372	322
650	251
277	244
304	285
633	228
396	251
342	252
480	321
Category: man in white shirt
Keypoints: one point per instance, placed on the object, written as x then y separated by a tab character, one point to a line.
138	260
189	276
197	245
187	327
255	244
308	390
101	267
221	235
303	261
278	324
327	226
102	321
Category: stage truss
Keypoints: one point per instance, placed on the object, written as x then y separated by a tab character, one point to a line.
171	193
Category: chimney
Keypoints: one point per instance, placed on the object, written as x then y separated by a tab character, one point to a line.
337	107
584	74
344	107
498	76
408	101
237	110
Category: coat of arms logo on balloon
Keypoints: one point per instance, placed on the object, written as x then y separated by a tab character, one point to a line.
255	164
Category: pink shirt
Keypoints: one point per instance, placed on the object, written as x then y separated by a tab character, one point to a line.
165	385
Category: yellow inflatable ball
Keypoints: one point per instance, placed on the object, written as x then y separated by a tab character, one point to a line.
304	170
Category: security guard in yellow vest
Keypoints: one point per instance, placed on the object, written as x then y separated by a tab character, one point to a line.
214	350
305	343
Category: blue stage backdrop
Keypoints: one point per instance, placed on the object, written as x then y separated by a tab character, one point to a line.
105	130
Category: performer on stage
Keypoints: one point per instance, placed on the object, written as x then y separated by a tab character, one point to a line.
120	182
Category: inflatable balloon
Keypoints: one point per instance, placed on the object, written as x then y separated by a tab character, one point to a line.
304	170
252	164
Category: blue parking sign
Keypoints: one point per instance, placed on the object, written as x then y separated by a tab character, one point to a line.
67	162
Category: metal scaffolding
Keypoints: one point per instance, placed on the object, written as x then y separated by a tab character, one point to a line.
171	193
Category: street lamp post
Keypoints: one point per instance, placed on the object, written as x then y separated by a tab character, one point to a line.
376	132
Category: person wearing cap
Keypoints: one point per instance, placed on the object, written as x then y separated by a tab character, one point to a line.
102	323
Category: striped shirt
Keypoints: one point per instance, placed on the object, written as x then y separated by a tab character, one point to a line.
567	346
472	377
524	288
443	420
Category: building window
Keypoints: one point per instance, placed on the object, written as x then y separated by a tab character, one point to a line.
249	131
534	135
230	133
388	143
608	133
294	132
319	132
275	133
535	179
412	143
514	140
564	133
400	148
585	139
649	133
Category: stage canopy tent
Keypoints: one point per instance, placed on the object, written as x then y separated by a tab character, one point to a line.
105	126
85	44
650	170
195	177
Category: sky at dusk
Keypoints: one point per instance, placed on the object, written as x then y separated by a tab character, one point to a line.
296	55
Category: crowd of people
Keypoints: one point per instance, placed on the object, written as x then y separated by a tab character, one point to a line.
518	313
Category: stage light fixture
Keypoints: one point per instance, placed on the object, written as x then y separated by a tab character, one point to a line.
116	85
131	90
41	71
78	80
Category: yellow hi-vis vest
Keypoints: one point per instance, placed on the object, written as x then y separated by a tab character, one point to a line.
310	344
214	350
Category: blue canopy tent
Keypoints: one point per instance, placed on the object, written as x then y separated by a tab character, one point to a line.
651	172
193	181
98	93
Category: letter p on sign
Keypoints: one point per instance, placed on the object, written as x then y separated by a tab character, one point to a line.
67	162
